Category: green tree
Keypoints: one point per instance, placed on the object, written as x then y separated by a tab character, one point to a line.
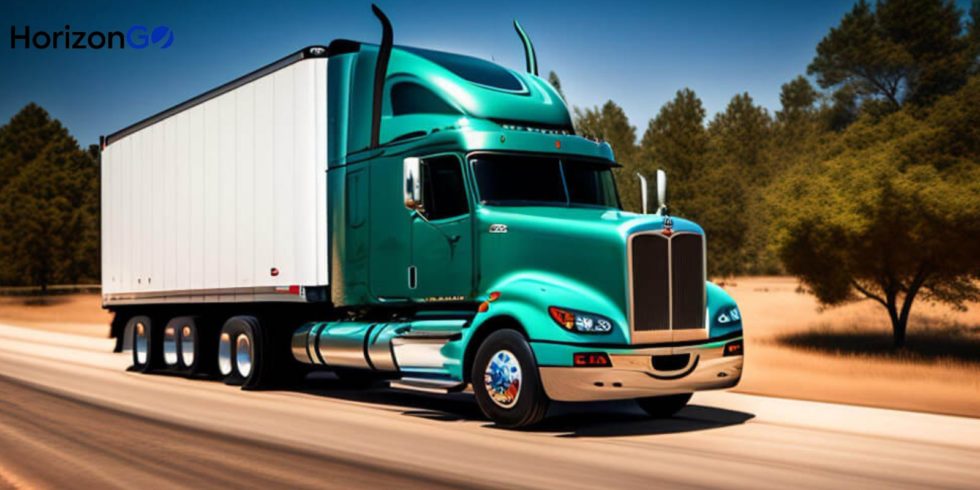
610	124
728	194
973	35
556	83
900	51
893	215
49	206
23	138
677	141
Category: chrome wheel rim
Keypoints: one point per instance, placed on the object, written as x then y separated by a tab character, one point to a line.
243	355
224	354
187	339
140	343
502	379
170	345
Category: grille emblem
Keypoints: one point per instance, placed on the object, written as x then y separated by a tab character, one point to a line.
668	226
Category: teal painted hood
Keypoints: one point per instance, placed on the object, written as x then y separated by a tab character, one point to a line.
579	245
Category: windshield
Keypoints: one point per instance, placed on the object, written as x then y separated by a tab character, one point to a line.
541	181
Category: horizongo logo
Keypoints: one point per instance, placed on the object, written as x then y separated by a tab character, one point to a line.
137	37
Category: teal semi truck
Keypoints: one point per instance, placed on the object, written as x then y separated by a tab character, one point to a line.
408	215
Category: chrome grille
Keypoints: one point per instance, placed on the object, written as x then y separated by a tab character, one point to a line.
667	284
651	285
687	281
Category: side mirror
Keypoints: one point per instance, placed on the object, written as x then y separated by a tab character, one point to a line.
643	191
413	183
661	192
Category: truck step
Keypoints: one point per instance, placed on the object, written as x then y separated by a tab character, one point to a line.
427	385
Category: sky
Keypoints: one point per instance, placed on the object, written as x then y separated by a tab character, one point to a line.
636	53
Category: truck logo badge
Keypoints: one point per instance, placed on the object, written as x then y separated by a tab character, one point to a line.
668	226
498	228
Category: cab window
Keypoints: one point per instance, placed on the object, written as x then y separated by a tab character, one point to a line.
443	190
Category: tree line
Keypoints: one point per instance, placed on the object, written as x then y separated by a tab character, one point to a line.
49	204
866	185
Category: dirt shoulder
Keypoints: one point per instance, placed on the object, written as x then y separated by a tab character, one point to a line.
79	314
793	348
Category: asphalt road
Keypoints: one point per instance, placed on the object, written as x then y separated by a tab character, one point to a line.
72	417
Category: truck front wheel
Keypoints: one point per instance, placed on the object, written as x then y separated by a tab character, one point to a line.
506	381
663	406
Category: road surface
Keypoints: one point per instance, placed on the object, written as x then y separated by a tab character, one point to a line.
72	417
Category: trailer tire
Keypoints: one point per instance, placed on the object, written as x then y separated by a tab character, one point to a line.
506	381
251	353
192	346
662	407
147	345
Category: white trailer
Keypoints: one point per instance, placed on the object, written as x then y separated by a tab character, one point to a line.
222	198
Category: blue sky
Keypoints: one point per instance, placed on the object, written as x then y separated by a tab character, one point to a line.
637	53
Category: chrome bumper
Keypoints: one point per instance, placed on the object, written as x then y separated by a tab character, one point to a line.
632	375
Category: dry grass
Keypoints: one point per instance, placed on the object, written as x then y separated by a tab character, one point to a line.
938	343
80	314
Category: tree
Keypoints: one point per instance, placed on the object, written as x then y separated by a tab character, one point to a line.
23	138
611	125
973	36
798	99
894	215
900	51
726	195
49	206
556	83
677	141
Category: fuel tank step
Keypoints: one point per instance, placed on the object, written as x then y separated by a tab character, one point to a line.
410	346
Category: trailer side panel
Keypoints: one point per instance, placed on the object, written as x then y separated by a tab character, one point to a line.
224	201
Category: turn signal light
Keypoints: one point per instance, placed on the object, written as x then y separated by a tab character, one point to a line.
733	348
591	359
562	317
580	321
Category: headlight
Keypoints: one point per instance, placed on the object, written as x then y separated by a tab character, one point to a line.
579	321
728	315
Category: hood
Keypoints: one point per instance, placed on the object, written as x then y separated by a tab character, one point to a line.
579	245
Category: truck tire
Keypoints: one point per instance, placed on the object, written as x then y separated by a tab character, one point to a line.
662	407
506	381
244	347
192	346
146	345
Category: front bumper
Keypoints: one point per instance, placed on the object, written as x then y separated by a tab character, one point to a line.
632	374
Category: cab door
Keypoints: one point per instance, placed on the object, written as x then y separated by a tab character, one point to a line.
441	261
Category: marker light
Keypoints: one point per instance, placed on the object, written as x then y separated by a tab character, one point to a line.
484	306
733	348
580	322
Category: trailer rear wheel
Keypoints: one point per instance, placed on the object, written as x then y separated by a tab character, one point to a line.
189	345
146	346
506	382
244	353
662	407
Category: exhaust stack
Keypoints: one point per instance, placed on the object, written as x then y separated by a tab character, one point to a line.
380	72
532	59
